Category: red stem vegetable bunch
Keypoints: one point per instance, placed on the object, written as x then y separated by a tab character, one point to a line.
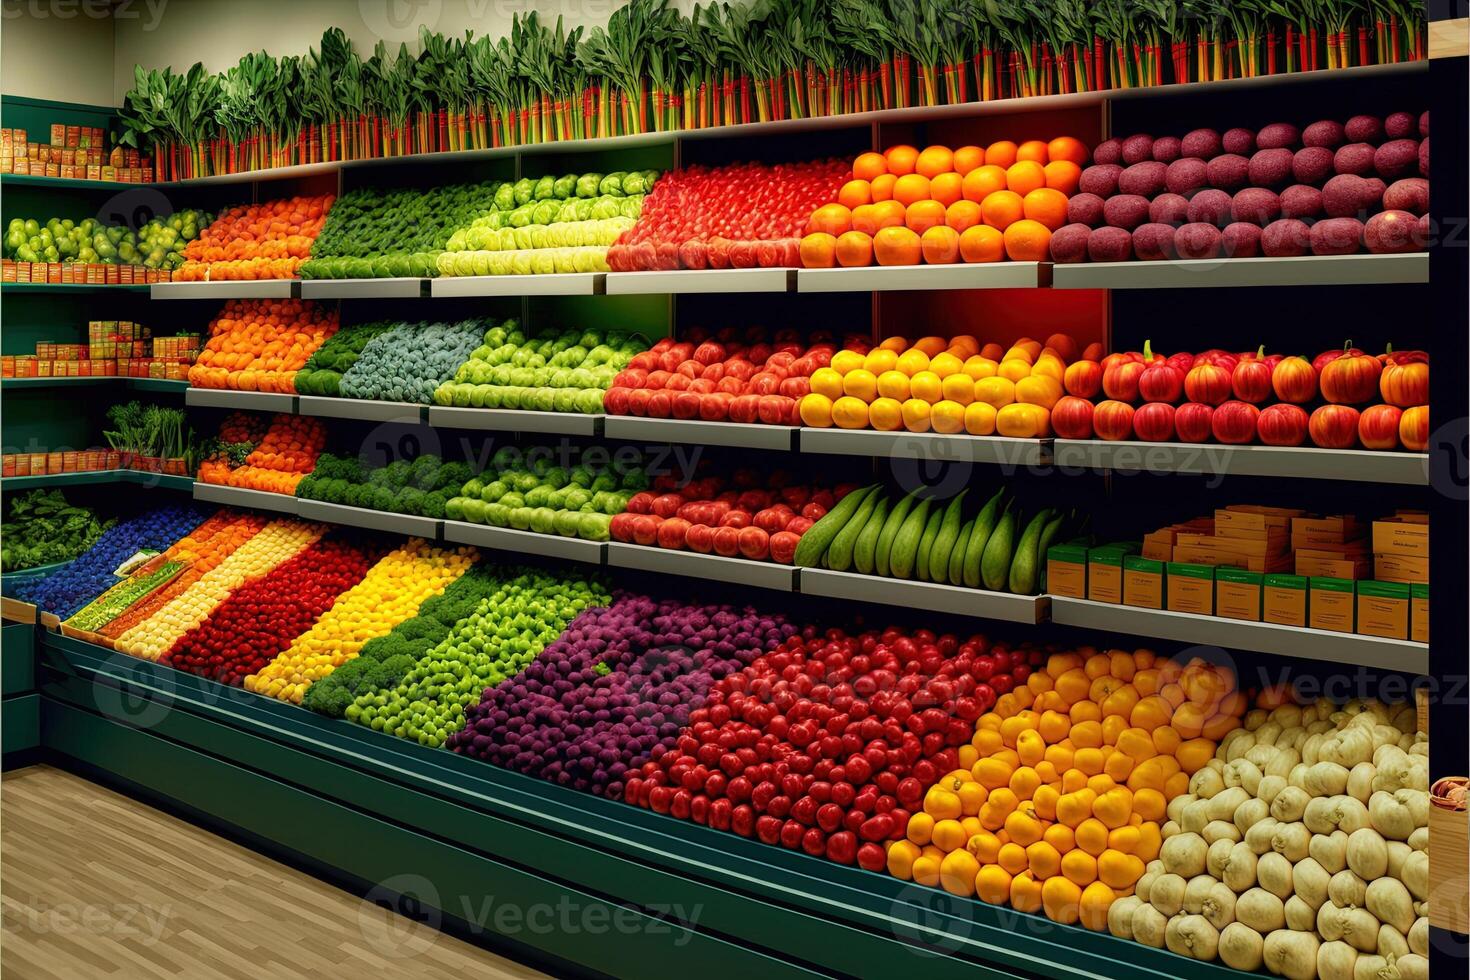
755	514
830	741
261	618
751	376
1343	398
742	216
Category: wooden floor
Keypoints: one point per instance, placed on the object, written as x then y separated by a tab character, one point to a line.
95	884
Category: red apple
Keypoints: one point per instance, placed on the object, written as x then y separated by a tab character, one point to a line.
1120	382
1192	421
645	529
755	543
727	541
1414	428
1294	380
1154	421
700	538
1161	380
1083	379
1334	427
1234	422
1282	424
1251	379
1405	379
1113	420
1207	382
1378	427
1351	379
1071	417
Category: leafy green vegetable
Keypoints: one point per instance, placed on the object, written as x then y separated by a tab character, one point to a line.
43	529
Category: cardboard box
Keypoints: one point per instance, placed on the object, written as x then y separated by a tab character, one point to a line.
1191	588
1354	548
1400	568
1247	546
1238	594
1284	599
1217	556
1326	530
1327	564
1383	609
1419	612
1330	604
1105	571
1143	582
1397	536
1242	518
1066	570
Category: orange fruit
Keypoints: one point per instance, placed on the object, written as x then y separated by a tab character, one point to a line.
1067	148
818	250
941	245
901	159
855	193
1063	175
896	246
967	158
947	188
854	248
983	181
1046	205
962	214
882	187
911	188
1027	240
1025	176
934	161
834	219
869	166
981	243
1001	208
1034	150
1002	153
888	214
923	215
865	218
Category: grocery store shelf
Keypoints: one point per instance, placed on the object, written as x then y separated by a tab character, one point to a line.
69	287
373	520
552	284
988	275
254	401
924	445
1215	459
514	420
953	599
715	568
1300	270
511	540
138	478
16	611
227	289
701	281
1290	641
363	409
738	435
67	183
216	493
137	384
406	287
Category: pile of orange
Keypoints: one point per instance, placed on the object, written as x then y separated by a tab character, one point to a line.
283	456
259	345
256	241
939	206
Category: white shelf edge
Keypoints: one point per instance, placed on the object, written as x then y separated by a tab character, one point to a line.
778	280
1299	270
553	284
258	401
956	447
1218	459
363	409
693	564
515	420
736	435
218	493
226	289
878	278
516	541
405	287
411	525
935	597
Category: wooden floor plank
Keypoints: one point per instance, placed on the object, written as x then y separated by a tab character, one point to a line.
99	885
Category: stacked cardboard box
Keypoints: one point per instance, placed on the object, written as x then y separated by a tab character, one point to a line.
114	348
74	153
81	273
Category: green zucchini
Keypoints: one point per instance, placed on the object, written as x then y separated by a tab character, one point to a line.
926	544
979	537
1049	534
956	571
995	565
839	554
867	539
818	537
890	531
949	530
906	541
1023	576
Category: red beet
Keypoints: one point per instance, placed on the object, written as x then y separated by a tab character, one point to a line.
1337	236
1355	158
1126	210
1396	158
1153	241
1085	209
1255	205
1109	245
1286	237
1186	175
1228	171
1278	136
1241	240
1271	167
1301	201
1108	151
1409	194
1210	206
1239	141
1197	240
1202	143
1170	209
1166	149
1345	195
1069	243
1391	231
1138	148
1325	133
1145	178
1100	179
1312	165
1363	129
1400	125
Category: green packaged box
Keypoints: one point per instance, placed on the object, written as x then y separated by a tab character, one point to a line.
1143	582
1330	604
1383	609
1191	588
1238	594
1419	612
1105	571
1066	570
1284	599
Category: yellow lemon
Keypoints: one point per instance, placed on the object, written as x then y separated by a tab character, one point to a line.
1014	369
894	384
958	388
826	381
949	835
860	383
885	414
880	359
850	413
846	360
912	361
816	411
978	367
926	386
997	391
916	415
948	417
957	873
931	345
944	364
979	418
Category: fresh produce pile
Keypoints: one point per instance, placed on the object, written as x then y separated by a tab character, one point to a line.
259	345
616	689
1354	399
531	491
151	433
551	224
201	551
728	375
285	454
82	579
322	372
258	620
117	600
409	361
1330	188
918	536
1069	782
43	529
422	487
1302	846
941	206
384	660
158	244
735	217
238	435
755	514
828	742
390	593
380	234
948	385
232	567
497	640
566	372
257	241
